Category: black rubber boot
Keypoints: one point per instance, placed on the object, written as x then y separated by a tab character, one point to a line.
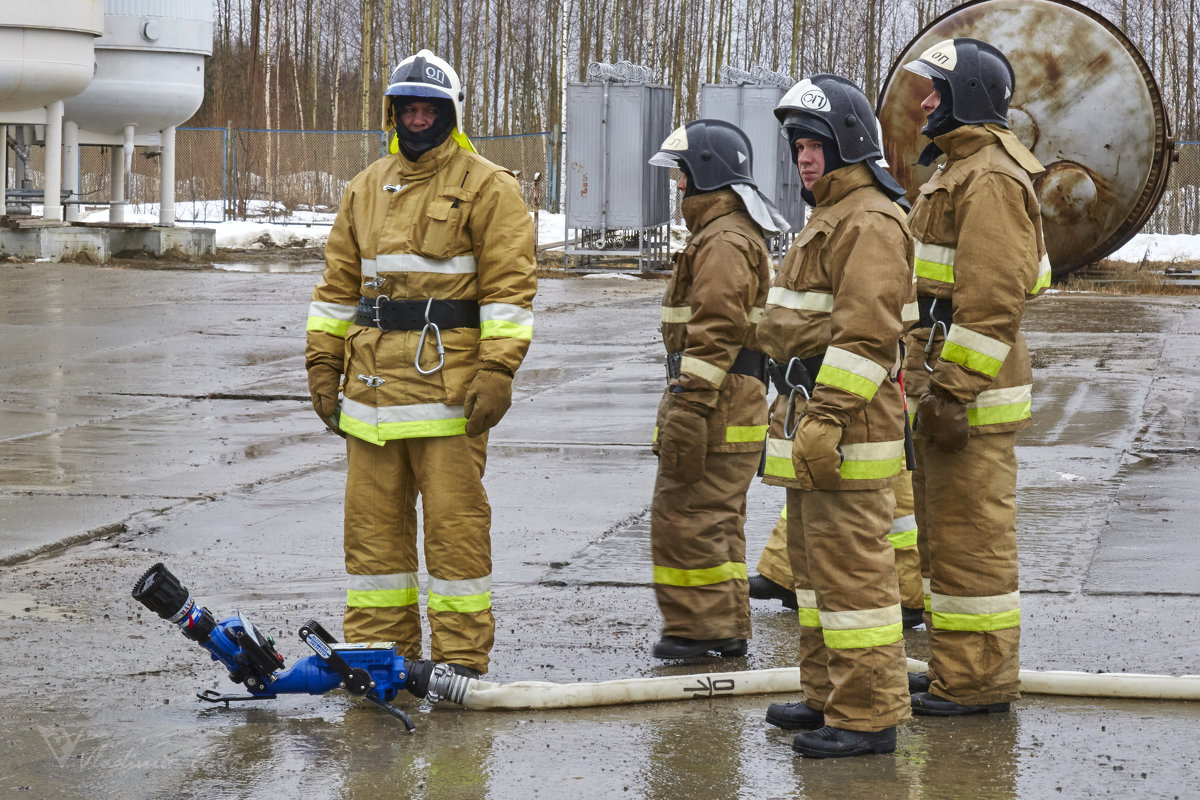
910	617
766	589
830	742
930	705
466	672
918	682
795	716
679	647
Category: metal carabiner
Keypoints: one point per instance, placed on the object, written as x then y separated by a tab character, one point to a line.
932	334
788	433
437	334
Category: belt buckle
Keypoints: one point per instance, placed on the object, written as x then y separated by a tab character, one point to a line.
378	303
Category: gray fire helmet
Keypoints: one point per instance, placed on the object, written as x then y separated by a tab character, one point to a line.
980	78
712	152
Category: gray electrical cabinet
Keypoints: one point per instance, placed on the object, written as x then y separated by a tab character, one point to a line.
752	108
612	195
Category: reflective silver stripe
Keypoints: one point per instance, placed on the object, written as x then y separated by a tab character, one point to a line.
864	618
755	316
505	312
1003	397
411	262
676	314
464	588
904	524
971	340
925	586
873	451
910	312
702	369
854	363
382	583
992	604
367	268
806	598
419	412
939	254
333	311
800	301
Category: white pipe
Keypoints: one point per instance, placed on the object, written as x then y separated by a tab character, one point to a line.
116	186
52	197
483	695
71	168
166	164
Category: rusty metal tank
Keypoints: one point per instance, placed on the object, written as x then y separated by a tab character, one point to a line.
1085	103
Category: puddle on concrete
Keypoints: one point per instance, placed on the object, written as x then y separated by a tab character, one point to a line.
16	605
281	266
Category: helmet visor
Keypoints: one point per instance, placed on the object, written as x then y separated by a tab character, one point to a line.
664	158
924	69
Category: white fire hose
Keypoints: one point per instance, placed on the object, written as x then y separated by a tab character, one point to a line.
484	695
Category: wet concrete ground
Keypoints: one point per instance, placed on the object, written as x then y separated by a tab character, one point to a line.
163	415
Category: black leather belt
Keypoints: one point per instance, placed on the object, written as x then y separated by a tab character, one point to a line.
801	372
412	315
934	309
747	362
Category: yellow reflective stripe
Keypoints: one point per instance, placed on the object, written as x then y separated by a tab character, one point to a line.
670	576
381	598
974	350
851	372
872	460
463	604
989	613
977	622
411	262
779	459
869	627
934	262
999	406
336	327
1044	275
417	421
690	365
928	595
864	637
677	314
502	329
806	599
783	514
745	433
505	320
334	318
390	590
800	301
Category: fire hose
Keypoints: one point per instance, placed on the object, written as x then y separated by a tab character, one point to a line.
376	673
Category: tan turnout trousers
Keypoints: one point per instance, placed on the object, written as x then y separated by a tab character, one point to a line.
382	485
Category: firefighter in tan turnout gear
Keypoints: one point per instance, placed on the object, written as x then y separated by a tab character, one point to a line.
422	317
832	325
713	415
980	255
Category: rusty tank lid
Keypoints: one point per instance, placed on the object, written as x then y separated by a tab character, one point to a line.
1085	103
